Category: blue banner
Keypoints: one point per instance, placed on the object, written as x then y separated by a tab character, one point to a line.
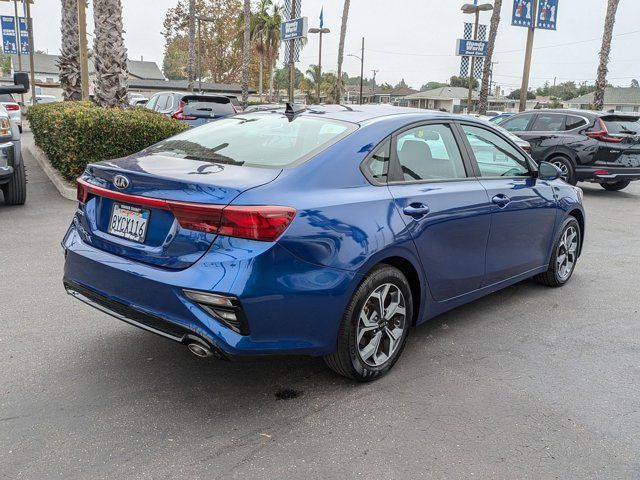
547	14
24	36
9	42
522	15
471	48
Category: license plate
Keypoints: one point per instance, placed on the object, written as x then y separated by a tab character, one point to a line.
129	222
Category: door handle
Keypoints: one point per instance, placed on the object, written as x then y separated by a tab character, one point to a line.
501	200
416	210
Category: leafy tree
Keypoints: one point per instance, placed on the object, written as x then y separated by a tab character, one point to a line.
220	55
432	85
456	81
402	84
176	58
635	84
515	95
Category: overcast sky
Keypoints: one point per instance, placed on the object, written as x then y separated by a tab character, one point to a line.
412	39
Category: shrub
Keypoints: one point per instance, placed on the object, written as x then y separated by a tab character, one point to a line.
73	134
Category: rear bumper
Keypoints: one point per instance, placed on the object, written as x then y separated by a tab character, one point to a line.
602	174
291	306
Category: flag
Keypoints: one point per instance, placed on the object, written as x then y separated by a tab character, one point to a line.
321	17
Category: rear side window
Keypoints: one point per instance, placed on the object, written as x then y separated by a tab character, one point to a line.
7	98
516	124
429	152
162	103
546	122
378	165
622	125
495	157
151	104
256	139
571	122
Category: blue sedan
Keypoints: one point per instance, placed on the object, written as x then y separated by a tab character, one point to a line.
327	231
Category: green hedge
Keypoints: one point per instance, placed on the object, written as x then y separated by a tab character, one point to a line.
73	134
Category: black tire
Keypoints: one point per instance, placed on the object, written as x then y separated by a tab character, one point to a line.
15	192
569	171
347	360
615	186
552	277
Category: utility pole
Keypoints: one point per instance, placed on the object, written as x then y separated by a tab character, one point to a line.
361	70
373	90
31	66
473	62
524	89
292	50
15	4
84	56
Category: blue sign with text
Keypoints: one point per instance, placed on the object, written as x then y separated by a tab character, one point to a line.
522	15
471	48
295	28
547	14
9	42
24	36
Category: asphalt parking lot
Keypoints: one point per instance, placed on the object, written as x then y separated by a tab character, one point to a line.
530	382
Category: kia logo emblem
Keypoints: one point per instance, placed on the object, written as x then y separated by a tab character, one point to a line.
121	182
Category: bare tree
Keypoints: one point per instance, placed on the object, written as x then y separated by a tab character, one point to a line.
191	59
69	60
109	54
246	46
605	49
343	34
486	71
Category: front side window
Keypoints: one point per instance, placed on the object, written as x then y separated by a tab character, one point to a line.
494	155
255	139
547	122
516	124
429	152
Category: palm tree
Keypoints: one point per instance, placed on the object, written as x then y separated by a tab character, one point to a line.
343	33
486	71
258	37
605	49
246	45
109	54
271	33
69	60
191	59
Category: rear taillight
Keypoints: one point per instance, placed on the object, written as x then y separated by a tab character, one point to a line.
259	222
602	134
265	223
12	106
179	114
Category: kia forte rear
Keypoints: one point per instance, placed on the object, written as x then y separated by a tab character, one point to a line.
327	231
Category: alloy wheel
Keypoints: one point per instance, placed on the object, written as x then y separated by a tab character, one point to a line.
567	253
381	325
564	169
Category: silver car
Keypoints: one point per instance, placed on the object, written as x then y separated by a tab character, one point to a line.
13	109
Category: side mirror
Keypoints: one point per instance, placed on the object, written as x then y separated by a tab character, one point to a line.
21	79
547	171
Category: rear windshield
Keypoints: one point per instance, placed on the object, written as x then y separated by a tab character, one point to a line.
263	140
623	125
6	98
207	107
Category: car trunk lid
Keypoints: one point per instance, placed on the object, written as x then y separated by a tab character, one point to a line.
129	206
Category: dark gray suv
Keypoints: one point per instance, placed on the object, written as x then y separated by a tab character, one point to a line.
194	109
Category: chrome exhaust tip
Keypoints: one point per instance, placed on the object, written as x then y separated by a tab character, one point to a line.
199	350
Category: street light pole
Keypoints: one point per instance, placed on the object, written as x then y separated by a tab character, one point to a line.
524	88
292	51
31	66
15	5
361	58
475	9
473	62
201	18
320	31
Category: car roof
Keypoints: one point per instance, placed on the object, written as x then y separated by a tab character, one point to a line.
360	114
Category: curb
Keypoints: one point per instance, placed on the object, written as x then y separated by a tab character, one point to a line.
65	188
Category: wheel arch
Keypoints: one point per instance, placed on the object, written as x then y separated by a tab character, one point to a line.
561	152
579	216
411	269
